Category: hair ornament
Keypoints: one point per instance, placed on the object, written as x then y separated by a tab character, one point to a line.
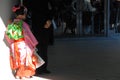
14	9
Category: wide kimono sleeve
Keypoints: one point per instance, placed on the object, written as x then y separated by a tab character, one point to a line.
30	39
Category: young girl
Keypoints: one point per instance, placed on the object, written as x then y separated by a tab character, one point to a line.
22	44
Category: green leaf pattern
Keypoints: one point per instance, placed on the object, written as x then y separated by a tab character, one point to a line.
14	30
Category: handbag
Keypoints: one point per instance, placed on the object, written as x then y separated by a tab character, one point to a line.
37	60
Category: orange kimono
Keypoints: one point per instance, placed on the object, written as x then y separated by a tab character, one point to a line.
22	43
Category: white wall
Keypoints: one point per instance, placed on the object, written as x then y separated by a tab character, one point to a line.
5	12
5	9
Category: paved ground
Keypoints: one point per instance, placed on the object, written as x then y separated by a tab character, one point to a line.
95	58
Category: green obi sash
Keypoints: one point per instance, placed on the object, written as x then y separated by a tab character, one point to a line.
14	30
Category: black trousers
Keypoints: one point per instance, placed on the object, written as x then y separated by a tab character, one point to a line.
42	52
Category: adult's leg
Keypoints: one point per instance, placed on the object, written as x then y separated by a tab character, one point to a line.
42	52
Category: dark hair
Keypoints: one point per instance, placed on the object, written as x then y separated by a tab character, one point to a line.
19	10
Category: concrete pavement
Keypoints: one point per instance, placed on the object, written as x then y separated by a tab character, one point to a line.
90	58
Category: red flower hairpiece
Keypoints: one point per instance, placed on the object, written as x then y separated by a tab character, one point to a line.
14	9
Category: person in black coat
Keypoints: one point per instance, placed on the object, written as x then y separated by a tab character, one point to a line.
41	26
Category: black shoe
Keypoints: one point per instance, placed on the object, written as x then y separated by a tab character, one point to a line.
46	72
43	72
